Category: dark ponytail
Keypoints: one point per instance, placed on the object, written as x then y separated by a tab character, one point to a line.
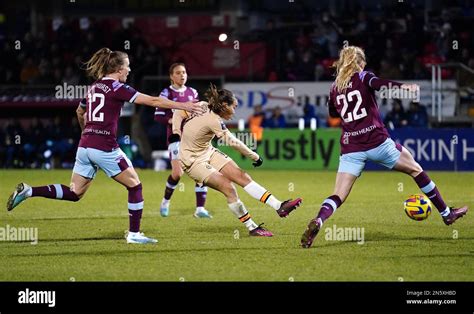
218	99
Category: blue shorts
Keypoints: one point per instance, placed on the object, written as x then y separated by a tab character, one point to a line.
89	160
386	154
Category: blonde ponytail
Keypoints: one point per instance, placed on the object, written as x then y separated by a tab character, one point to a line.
349	62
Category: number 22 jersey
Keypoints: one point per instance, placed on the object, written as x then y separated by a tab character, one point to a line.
362	127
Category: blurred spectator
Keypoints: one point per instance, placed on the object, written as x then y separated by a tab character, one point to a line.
42	143
289	66
305	70
396	118
308	114
361	25
12	142
256	121
417	115
388	70
420	72
70	77
277	120
29	71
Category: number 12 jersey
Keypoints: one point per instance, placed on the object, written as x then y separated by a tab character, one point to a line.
103	104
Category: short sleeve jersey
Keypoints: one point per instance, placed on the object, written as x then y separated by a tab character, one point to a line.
183	94
363	129
103	104
198	133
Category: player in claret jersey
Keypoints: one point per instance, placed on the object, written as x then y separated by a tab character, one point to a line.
178	91
98	116
364	137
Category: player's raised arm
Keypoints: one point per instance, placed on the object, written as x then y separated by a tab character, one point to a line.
144	99
239	146
374	82
221	131
80	112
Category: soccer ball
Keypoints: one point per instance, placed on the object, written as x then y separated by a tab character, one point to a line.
417	207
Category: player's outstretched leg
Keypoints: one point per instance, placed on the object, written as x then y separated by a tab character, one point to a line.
135	210
171	184
344	183
201	194
21	193
220	183
258	192
407	164
53	191
449	214
232	171
328	208
239	210
129	178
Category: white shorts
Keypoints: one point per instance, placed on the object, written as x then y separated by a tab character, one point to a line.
89	160
386	154
202	169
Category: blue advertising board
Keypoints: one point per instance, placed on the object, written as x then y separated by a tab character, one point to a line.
437	149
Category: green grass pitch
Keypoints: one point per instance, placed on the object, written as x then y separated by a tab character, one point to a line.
84	241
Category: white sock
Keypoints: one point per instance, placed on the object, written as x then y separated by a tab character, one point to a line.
241	212
446	212
258	192
273	202
29	192
165	202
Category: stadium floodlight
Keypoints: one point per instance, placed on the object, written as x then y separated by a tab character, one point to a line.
222	37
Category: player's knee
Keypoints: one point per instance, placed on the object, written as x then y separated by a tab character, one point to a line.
242	178
246	177
176	174
76	195
416	170
229	190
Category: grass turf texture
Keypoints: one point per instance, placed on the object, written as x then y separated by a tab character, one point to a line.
84	241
